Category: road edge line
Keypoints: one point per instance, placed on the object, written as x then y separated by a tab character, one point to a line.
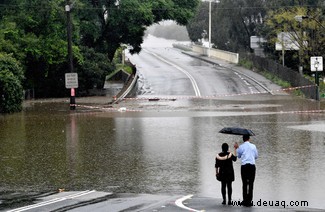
179	203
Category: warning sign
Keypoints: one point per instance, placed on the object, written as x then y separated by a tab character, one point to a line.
71	80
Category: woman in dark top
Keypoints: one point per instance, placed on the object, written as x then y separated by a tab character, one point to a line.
225	171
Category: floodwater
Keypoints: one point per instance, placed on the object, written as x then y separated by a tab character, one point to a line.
164	147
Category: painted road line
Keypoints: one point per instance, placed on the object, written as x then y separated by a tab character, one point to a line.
180	204
249	85
55	200
194	84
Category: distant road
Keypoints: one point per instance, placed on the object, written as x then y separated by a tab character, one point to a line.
167	71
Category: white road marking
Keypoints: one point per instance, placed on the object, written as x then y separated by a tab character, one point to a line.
41	204
180	201
194	84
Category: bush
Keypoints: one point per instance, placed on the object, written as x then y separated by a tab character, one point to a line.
11	92
7	62
93	70
246	64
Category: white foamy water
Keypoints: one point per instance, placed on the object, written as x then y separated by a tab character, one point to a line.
152	41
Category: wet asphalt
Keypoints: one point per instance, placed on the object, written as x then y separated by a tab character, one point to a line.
83	201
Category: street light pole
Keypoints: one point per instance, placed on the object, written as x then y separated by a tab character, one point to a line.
210	1
70	55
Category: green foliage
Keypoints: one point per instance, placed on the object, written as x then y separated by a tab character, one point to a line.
321	83
93	70
7	62
11	93
9	39
289	3
126	22
11	90
233	22
268	75
199	23
276	80
322	87
35	33
308	33
246	64
128	69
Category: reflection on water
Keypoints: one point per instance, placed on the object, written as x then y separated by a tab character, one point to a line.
48	147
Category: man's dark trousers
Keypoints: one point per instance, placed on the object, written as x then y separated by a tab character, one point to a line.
248	176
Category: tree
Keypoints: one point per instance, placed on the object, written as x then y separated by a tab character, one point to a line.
9	39
307	33
11	90
93	70
233	22
124	22
34	31
198	23
276	4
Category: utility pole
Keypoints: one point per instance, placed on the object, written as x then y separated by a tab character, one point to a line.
209	28
70	55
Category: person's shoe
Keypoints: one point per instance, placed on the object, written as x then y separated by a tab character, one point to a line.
223	202
229	202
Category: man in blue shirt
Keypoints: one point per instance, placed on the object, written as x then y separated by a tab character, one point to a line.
247	152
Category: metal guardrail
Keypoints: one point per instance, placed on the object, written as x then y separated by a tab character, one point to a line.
127	88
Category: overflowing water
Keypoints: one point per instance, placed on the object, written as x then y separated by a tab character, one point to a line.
163	147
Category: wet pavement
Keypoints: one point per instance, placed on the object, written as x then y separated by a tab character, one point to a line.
103	201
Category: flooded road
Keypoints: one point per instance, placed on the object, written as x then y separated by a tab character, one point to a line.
164	147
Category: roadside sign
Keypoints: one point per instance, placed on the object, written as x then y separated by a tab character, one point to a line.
256	42
316	63
71	80
286	41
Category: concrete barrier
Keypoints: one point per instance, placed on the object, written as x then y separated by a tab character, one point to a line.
182	46
216	53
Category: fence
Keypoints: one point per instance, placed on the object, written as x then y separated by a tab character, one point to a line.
284	73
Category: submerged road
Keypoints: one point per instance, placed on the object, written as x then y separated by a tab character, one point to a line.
162	160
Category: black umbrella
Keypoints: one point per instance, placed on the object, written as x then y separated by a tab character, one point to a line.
237	131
